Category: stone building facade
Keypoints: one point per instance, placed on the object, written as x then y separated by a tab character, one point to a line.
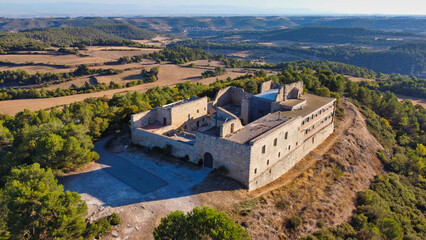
257	138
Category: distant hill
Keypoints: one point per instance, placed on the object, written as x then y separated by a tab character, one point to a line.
354	35
40	38
406	24
194	26
126	31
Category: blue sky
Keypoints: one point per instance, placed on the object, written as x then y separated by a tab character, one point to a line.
217	7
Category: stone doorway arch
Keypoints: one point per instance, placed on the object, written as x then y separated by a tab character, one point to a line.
208	160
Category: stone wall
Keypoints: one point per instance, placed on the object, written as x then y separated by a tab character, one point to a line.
266	86
188	114
245	110
141	119
229	127
150	140
269	148
233	156
280	167
223	97
293	90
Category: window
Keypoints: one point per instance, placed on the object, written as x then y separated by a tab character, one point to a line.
232	128
313	140
267	162
289	147
303	123
297	143
270	170
255	170
198	110
264	149
279	154
275	142
286	135
198	124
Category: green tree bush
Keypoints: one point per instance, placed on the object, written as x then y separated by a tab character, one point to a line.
205	223
38	208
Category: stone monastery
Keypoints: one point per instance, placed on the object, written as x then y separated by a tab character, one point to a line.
257	138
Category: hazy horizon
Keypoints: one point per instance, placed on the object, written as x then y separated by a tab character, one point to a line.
126	8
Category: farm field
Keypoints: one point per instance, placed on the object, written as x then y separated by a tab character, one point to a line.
114	53
69	60
169	75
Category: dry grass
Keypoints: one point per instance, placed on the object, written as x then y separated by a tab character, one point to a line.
157	41
358	79
414	100
32	69
99	52
69	60
169	75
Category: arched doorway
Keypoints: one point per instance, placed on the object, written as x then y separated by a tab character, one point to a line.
208	160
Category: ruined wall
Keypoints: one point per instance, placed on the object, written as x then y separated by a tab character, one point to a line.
223	97
141	119
162	114
235	157
188	114
266	86
293	90
245	110
150	140
229	127
281	166
238	94
221	115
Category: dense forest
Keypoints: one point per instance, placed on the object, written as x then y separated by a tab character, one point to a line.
20	77
42	38
406	58
212	25
330	35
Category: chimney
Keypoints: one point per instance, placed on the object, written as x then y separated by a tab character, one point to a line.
279	115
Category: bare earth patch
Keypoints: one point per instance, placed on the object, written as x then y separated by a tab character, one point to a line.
414	100
358	79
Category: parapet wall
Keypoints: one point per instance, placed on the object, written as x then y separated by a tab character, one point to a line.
150	140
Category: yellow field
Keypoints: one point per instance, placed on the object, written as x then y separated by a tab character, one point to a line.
69	60
99	52
169	75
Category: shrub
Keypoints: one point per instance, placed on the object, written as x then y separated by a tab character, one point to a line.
282	204
205	223
294	222
114	219
97	229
